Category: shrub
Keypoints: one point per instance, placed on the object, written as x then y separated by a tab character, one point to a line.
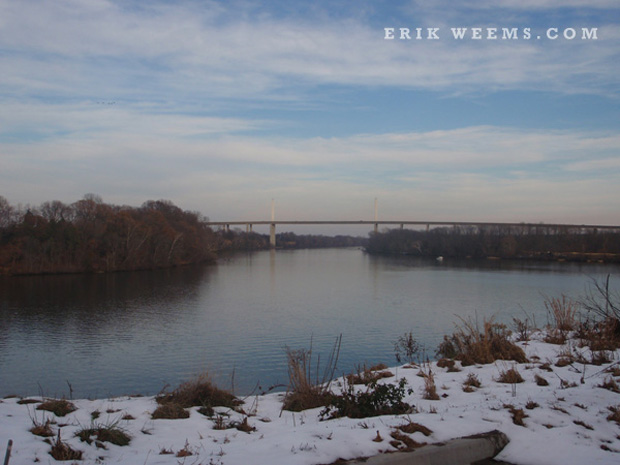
523	328
305	390
199	392
377	399
470	345
59	407
406	346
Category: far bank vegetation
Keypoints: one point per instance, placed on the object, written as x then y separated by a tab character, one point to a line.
539	242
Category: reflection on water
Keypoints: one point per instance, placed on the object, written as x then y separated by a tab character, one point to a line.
120	333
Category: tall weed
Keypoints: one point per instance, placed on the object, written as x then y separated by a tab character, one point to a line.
308	388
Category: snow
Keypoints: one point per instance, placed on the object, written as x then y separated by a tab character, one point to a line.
550	435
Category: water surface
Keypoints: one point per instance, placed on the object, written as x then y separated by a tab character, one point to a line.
136	332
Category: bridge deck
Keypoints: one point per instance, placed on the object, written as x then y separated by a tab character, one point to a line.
418	223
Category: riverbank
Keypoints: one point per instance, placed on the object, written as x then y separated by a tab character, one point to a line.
574	419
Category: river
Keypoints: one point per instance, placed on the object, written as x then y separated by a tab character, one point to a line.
103	335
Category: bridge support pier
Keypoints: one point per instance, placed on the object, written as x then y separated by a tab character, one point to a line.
376	228
248	228
272	235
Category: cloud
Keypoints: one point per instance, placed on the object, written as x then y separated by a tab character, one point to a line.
527	5
227	168
193	101
196	51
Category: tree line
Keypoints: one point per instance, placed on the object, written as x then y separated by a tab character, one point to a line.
239	240
532	242
90	235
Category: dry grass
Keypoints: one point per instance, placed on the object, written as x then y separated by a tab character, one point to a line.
471	382
614	370
517	415
610	384
170	411
307	388
403	442
42	429
430	389
510	376
61	451
471	345
220	423
59	407
600	335
368	375
531	405
412	427
28	401
615	414
563	315
605	304
185	452
199	392
104	433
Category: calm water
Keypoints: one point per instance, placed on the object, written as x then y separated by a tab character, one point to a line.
125	333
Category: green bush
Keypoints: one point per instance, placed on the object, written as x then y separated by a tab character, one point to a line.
377	399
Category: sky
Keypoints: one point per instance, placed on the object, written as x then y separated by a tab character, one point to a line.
222	106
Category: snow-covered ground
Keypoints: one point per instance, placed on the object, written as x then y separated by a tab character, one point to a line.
566	423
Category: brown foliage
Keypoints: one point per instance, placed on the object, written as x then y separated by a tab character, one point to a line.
199	392
90	235
471	345
59	407
510	376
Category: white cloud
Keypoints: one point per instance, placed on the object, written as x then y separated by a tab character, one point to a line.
484	171
198	50
527	5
